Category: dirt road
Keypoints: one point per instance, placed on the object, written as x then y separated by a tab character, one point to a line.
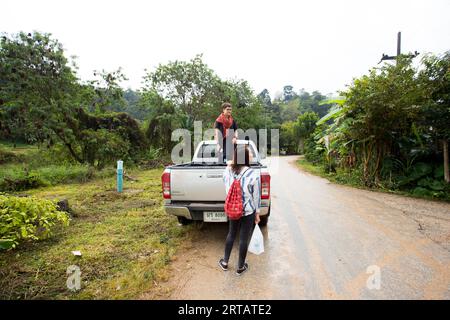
326	241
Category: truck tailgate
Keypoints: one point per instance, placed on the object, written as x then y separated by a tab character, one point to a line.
197	184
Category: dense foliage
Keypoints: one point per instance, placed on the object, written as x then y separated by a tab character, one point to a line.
391	128
43	102
27	218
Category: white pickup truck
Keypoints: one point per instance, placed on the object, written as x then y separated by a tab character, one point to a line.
196	191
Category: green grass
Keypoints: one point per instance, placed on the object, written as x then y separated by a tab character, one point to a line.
48	166
126	240
341	177
49	175
309	167
21	148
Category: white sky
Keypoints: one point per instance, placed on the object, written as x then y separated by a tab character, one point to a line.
308	44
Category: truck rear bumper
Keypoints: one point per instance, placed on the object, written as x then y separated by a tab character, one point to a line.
194	211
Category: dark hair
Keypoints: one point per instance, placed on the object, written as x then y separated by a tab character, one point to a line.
226	105
241	152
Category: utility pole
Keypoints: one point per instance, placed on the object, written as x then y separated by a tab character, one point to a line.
399	51
265	117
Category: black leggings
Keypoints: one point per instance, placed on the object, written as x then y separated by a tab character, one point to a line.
247	223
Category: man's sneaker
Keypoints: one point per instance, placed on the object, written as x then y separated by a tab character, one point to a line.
223	265
242	270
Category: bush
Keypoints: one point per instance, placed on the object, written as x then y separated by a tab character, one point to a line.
29	181
102	147
7	156
57	154
55	174
414	173
27	218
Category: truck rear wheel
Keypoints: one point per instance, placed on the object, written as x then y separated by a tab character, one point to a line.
184	221
264	219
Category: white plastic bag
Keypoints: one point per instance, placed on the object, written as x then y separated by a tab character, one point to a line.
256	245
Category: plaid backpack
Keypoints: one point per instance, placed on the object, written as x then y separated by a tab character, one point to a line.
234	206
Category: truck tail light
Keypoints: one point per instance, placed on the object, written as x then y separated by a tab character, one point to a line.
165	181
265	186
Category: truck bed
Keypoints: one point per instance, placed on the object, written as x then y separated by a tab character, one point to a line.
195	182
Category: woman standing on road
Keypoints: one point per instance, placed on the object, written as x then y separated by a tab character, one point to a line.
250	186
224	138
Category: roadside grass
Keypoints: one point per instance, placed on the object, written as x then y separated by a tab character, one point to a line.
20	149
16	176
126	241
342	177
309	167
349	179
27	166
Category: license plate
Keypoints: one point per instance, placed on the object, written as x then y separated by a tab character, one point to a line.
209	216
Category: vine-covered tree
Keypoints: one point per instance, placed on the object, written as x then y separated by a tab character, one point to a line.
42	100
37	85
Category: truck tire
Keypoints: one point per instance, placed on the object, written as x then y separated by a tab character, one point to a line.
184	221
264	219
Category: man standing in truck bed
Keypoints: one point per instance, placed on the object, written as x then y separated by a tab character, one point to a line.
224	137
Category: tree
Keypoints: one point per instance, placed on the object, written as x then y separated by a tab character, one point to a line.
290	110
190	86
105	91
163	118
288	93
382	106
96	139
132	104
249	111
288	140
435	78
312	102
306	123
272	111
36	85
264	97
40	87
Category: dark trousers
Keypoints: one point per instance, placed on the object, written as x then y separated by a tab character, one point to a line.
246	224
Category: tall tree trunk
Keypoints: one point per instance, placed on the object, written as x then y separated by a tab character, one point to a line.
445	150
381	151
367	155
301	145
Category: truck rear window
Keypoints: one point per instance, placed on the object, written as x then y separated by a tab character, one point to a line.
209	151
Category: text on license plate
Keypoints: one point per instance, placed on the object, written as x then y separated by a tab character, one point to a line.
212	216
